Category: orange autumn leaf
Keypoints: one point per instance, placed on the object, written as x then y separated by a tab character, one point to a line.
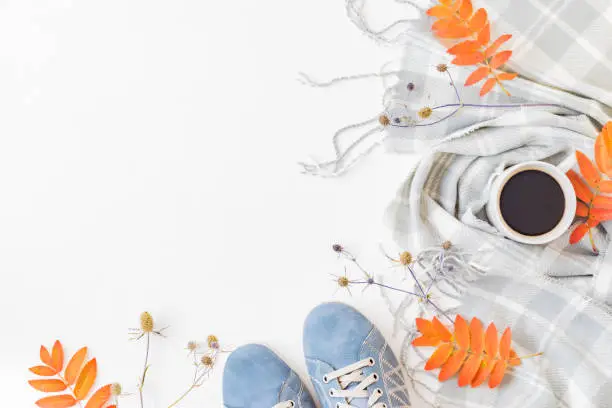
57	401
500	59
426	327
488	86
497	374
605	186
465	47
48	385
452	365
468	59
602	202
85	380
492	49
583	192
579	232
484	37
100	397
425	341
600	214
43	371
45	357
603	150
477	76
440	12
506	76
74	365
471	352
57	356
441	331
581	209
479	20
589	172
439	356
453	32
466	9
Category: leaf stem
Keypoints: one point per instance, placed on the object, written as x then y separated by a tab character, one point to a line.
527	356
144	370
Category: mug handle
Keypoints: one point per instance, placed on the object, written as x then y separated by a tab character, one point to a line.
568	163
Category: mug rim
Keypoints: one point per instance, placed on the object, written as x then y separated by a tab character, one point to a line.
568	192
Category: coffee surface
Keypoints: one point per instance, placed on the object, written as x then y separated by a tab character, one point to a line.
532	202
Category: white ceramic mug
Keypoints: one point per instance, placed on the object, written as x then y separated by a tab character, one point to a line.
558	173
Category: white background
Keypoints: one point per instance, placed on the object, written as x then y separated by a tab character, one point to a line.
148	162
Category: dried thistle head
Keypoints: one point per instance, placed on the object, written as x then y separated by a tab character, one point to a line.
442	67
343	281
146	322
192	346
405	258
425	112
337	248
207	361
446	245
115	389
410	86
384	120
213	342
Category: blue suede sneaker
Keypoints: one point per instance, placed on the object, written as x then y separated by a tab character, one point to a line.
255	377
349	362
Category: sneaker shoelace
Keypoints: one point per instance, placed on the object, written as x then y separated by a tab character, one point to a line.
285	404
354	374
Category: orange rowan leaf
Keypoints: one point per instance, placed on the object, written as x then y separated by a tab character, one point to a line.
476	336
86	379
479	20
444	24
490	341
588	169
462	333
439	357
477	76
57	401
425	327
485	35
100	397
111	406
603	150
425	341
466	9
602	202
53	385
453	32
583	192
57	356
465	47
468	59
442	332
492	49
439	12
74	365
43	371
497	374
600	214
488	86
504	344
45	357
605	186
500	59
579	232
468	372
506	76
581	209
486	365
452	365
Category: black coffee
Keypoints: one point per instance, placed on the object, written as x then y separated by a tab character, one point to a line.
532	202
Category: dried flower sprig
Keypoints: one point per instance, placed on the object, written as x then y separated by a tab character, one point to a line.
404	260
425	115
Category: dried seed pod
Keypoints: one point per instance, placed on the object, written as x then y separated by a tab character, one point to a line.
405	258
146	322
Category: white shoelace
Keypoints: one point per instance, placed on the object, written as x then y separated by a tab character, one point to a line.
285	404
354	374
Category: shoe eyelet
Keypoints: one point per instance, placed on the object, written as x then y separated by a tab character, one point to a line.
372	361
292	403
325	379
375	377
331	392
337	405
384	405
378	391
